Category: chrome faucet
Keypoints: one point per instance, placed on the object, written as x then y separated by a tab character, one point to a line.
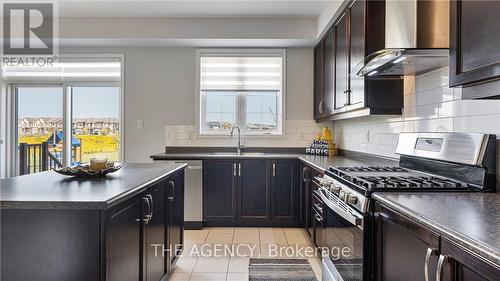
238	148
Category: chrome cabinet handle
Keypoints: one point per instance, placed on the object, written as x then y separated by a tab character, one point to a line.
239	169
234	169
274	169
152	206
439	269
430	252
146	217
320	107
172	185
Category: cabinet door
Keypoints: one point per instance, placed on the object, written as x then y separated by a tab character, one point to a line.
253	191
341	62
357	51
474	41
284	186
155	233
175	197
401	248
124	241
304	187
459	264
219	190
319	56
329	74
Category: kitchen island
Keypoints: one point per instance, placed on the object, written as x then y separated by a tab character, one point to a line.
61	228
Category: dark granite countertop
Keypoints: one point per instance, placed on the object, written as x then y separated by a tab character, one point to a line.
471	220
319	162
49	190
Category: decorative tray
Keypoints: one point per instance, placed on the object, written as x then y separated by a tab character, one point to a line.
84	171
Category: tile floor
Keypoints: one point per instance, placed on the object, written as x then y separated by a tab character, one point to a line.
222	253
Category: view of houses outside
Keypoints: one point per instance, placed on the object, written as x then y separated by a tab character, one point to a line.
96	126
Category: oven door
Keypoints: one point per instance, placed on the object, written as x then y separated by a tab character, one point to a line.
344	239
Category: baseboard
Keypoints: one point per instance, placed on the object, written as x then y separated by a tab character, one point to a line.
193	225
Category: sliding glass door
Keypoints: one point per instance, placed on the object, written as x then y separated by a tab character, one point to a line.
47	113
95	123
39	127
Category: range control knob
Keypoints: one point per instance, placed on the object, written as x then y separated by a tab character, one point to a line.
351	199
342	195
336	189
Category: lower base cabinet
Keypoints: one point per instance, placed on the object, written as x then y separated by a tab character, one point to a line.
144	234
406	250
251	192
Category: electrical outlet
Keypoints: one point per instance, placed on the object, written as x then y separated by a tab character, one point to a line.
140	124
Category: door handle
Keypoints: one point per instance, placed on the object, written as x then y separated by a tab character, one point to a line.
320	107
274	169
152	206
172	186
146	217
234	169
430	252
439	269
239	169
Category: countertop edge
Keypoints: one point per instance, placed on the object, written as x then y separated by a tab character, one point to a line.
85	205
489	254
130	193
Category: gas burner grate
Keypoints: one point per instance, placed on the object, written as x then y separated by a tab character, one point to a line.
370	169
385	182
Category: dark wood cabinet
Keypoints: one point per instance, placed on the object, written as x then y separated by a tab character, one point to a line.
401	247
155	233
358	30
253	190
250	192
319	54
357	51
328	105
406	250
460	264
474	42
219	192
284	191
341	62
175	218
124	240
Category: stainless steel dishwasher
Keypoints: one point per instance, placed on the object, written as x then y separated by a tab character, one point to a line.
193	183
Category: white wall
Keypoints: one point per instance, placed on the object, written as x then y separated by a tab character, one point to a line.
160	89
429	106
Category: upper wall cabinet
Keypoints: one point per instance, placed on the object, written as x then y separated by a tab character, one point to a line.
474	42
357	31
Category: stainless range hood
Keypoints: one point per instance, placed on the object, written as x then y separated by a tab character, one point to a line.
416	39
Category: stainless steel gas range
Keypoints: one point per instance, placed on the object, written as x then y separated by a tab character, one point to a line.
429	162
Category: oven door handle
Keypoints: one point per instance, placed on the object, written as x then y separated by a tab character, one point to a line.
354	219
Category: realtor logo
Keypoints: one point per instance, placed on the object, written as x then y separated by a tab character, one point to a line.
28	29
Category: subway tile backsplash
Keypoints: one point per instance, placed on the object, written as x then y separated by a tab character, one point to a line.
429	106
298	133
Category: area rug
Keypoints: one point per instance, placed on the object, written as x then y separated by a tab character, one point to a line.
280	270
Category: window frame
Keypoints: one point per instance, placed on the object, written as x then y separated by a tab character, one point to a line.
12	103
200	131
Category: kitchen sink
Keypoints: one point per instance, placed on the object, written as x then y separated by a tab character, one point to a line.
236	154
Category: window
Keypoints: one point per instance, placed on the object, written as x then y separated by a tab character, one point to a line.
241	87
66	114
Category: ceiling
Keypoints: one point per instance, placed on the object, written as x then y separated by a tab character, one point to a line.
194	8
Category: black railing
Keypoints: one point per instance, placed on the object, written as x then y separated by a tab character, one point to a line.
34	158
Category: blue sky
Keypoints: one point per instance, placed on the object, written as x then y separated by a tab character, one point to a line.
87	102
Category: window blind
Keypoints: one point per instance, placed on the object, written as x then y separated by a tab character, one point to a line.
66	70
239	73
